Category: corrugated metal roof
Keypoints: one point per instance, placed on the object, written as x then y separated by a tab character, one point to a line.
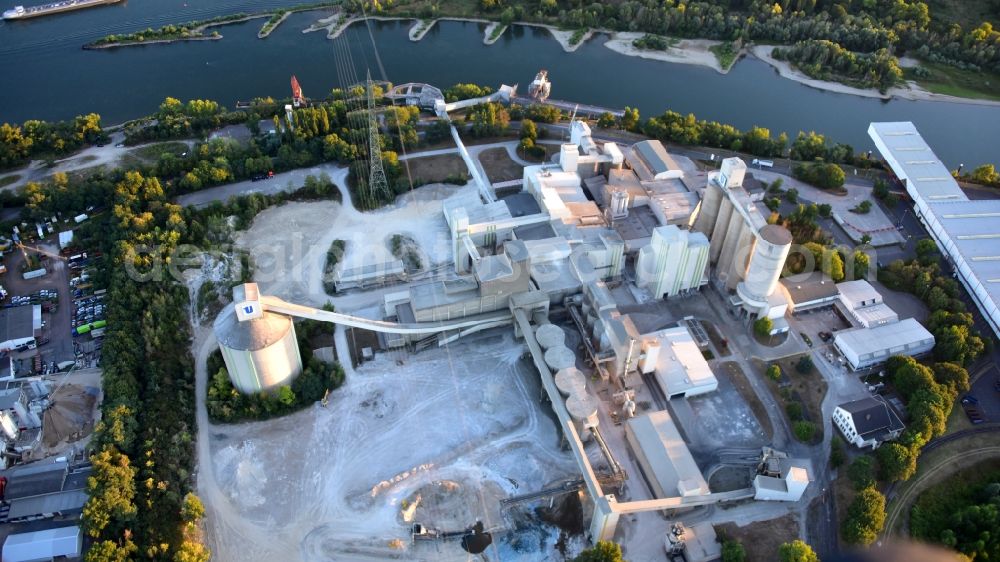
667	455
864	341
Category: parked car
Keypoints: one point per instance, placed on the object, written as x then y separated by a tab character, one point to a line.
970	399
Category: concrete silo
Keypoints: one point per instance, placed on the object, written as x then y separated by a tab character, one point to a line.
261	353
766	262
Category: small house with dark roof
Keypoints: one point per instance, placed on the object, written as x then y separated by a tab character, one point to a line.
868	422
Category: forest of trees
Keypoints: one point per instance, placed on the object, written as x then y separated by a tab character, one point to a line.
42	139
826	60
962	513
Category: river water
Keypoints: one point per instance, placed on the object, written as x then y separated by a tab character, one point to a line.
46	75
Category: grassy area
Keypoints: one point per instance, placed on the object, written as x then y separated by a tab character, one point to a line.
150	153
725	53
8	180
498	31
806	390
948	80
444	168
967	13
578	36
333	255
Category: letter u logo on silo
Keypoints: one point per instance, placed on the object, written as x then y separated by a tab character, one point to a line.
248	309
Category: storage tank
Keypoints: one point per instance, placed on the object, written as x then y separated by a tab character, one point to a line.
582	407
560	357
571	381
260	354
549	336
766	262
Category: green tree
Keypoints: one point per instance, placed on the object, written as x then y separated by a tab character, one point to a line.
630	119
896	462
824	210
861	472
192	510
606	120
528	130
763	326
774	372
865	517
111	551
603	551
191	551
796	551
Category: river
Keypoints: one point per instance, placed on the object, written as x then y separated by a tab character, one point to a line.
48	76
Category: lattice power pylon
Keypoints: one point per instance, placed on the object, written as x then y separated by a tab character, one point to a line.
377	182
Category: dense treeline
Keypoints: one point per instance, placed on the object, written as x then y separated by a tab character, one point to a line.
826	60
143	448
36	139
962	513
953	327
680	129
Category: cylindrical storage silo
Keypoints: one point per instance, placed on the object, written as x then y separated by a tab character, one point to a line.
549	336
571	381
582	408
260	354
766	262
560	357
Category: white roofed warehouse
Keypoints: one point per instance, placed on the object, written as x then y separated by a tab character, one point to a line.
966	231
867	347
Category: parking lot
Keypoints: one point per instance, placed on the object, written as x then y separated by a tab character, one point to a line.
67	302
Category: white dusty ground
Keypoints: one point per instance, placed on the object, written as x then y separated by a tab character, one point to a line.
686	51
289	243
460	427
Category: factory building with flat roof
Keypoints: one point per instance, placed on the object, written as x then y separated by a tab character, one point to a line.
965	231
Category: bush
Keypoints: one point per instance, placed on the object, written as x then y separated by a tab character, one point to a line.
837	454
823	175
804	431
763	326
603	551
861	472
896	462
651	43
804	365
792	195
732	551
774	373
794	411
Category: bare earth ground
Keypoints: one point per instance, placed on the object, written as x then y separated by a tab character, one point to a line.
435	169
762	539
499	166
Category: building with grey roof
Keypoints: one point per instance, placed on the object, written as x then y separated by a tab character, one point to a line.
811	291
966	231
18	325
868	422
663	456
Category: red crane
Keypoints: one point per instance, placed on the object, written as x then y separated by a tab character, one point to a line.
297	99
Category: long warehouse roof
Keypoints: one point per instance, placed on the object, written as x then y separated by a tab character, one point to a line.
968	230
897	335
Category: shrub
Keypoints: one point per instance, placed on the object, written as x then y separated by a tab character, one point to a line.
837	454
762	327
804	365
774	373
732	551
804	431
823	175
861	472
865	517
794	411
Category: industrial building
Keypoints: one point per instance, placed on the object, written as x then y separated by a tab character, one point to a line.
59	543
779	478
864	304
561	248
746	253
665	460
809	291
965	230
866	347
674	262
867	423
43	490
